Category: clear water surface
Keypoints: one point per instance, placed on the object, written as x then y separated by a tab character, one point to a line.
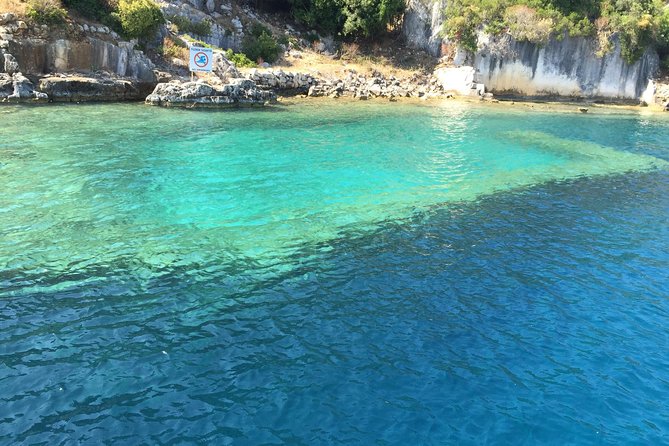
333	274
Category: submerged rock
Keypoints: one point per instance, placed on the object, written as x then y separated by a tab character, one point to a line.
239	92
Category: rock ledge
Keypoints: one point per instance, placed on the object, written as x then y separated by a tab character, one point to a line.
237	93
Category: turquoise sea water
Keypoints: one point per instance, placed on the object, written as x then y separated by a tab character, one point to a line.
333	274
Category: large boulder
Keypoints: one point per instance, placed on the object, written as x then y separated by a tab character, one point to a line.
223	68
238	92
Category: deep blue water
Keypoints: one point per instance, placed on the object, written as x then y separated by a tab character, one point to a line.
535	315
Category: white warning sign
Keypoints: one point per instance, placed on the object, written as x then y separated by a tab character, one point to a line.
201	59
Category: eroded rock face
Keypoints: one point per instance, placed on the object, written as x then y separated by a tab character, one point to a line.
38	56
89	89
422	24
239	92
10	64
18	88
567	67
562	67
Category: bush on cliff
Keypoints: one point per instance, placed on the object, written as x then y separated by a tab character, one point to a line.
139	18
92	9
351	18
260	45
186	26
636	23
239	59
46	12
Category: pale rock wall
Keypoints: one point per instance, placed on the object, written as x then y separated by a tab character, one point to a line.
459	80
422	24
567	67
38	56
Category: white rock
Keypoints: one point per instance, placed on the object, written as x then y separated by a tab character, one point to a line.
6	18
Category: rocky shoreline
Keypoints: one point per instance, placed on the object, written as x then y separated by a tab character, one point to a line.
39	65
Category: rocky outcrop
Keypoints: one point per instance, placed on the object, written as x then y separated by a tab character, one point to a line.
91	89
661	95
284	82
567	67
360	86
237	93
376	85
198	11
18	88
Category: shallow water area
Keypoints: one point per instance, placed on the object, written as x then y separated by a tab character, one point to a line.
324	273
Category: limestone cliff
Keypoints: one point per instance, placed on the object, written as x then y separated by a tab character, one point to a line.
101	66
41	56
422	24
566	67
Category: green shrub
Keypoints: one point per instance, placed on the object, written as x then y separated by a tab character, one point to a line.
186	26
173	48
46	12
139	18
353	18
260	45
91	9
239	59
637	23
527	24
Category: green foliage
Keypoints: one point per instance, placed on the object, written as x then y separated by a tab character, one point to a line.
260	45
46	12
186	26
239	59
636	23
139	18
92	9
325	15
354	18
173	48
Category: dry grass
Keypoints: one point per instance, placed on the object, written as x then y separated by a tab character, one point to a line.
16	6
363	60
